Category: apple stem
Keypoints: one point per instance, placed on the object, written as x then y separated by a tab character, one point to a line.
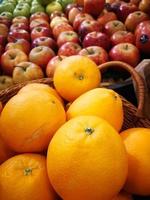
126	47
60	58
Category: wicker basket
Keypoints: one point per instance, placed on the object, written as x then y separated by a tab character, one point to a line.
132	116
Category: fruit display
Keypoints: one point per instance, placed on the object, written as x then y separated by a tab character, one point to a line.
67	136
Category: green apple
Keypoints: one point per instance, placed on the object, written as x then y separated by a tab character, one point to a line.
7	7
64	3
53	6
37	8
22	11
25	1
23	5
7	14
35	2
45	2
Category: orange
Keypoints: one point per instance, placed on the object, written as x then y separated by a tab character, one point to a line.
87	160
123	196
137	143
40	87
101	102
76	75
25	177
29	120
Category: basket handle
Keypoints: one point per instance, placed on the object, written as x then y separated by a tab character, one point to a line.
135	76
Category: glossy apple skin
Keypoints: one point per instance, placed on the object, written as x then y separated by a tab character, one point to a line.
88	26
52	65
21	19
144	6
19	26
45	41
94	7
69	49
114	26
3	30
122	37
96	39
141	26
10	59
61	28
41	55
39	22
21	44
79	19
58	20
39	15
18	34
26	71
5	20
106	17
69	7
67	36
57	13
125	52
73	13
95	53
40	32
134	19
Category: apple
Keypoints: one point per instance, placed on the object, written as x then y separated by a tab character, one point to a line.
114	6
69	7
67	36
21	11
79	19
136	2
73	13
45	41
96	39
1	49
106	17
114	26
125	52
58	20
145	6
134	19
41	55
19	26
69	49
95	53
36	8
26	71
44	2
88	26
7	14
64	3
53	6
10	59
40	32
18	34
57	13
25	1
3	30
21	44
9	7
94	7
5	82
122	37
39	15
20	19
39	22
2	43
61	28
52	65
141	26
5	20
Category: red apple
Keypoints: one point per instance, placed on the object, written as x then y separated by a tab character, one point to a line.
69	49
1	49
40	32
69	7
26	71
11	58
3	30
106	17
79	19
39	22
19	26
2	41
94	7
88	26
21	44
73	13
45	41
141	26
52	65
144	6
134	19
57	13
125	52
114	26
67	36
5	82
41	55
136	2
58	20
122	37
61	28
96	39
18	34
95	53
5	20
21	19
39	15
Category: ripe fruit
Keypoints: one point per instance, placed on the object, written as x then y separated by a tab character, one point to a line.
123	196
114	26
22	175
106	17
5	82
88	155
137	143
80	72
1	107
40	113
69	49
67	36
58	29
100	102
